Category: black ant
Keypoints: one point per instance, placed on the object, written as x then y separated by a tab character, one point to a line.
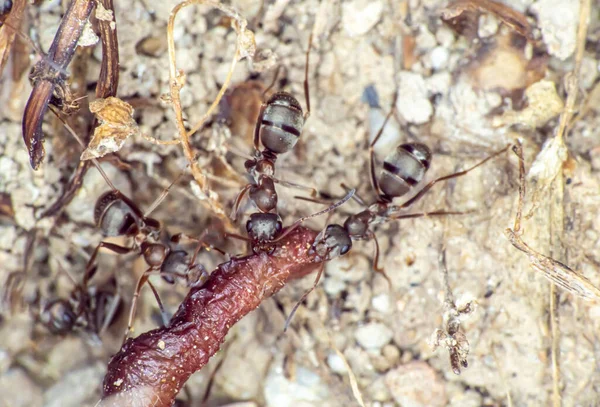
91	308
117	215
278	127
403	169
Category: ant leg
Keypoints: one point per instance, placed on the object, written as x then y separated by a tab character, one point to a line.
374	182
238	201
257	127
287	184
200	240
426	214
289	318
227	235
112	310
163	313
306	90
427	187
376	260
141	281
323	201
90	269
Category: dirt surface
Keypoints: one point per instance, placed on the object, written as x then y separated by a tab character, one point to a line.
462	94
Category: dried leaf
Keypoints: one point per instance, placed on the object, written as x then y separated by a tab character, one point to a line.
116	126
50	74
11	15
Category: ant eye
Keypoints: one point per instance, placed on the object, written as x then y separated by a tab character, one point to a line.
249	226
279	226
345	249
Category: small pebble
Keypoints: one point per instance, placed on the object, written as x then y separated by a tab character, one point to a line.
416	384
373	335
438	57
413	103
359	16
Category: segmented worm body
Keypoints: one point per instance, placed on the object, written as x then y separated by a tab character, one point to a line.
151	369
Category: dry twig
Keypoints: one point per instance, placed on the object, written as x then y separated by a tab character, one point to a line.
245	48
49	77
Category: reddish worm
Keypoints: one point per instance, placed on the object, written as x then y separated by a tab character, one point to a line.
151	369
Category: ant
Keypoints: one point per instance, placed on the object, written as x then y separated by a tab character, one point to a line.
403	169
117	215
278	127
91	308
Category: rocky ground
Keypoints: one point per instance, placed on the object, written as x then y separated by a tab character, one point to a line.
466	89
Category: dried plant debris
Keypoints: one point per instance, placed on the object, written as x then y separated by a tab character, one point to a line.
503	65
555	271
11	14
463	17
116	126
50	76
451	336
543	104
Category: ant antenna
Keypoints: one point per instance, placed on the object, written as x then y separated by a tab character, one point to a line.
331	207
164	193
95	161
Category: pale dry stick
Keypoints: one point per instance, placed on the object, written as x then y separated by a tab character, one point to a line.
245	48
351	376
557	213
509	402
553	270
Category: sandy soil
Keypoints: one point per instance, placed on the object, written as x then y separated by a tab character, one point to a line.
457	94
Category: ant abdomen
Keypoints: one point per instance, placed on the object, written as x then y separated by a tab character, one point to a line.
281	123
114	215
404	168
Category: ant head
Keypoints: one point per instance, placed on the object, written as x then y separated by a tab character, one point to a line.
154	254
281	123
176	264
58	316
333	242
404	168
196	276
263	227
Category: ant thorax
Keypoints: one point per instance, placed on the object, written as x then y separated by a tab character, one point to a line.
263	163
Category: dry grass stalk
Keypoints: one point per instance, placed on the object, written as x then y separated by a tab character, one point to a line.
553	270
245	48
